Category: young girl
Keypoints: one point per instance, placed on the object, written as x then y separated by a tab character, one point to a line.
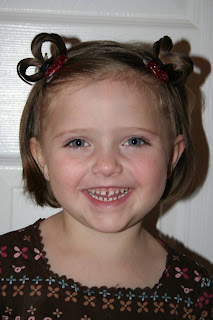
105	136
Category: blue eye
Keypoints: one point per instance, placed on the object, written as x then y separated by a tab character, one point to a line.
135	142
77	143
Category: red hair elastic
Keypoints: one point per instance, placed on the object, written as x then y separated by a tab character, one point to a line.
157	71
57	64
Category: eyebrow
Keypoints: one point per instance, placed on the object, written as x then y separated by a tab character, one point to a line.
82	130
75	131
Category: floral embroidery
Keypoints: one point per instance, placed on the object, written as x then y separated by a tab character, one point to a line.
167	271
205	282
154	296
89	292
105	293
24	279
198	276
143	296
63	283
174	308
50	280
17	269
126	305
8	310
130	295
39	254
188	314
4	287
181	273
35	290
204	314
186	290
119	295
18	290
177	301
188	302
166	297
32	310
58	313
3	254
108	303
75	287
20	252
176	258
204	299
53	292
158	307
11	279
89	301
178	298
26	238
71	296
142	306
37	280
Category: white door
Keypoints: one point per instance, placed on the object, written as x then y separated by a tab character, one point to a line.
187	22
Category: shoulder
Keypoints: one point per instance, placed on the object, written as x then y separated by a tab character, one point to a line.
186	267
18	247
21	235
190	280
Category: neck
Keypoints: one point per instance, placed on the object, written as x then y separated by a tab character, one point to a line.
115	246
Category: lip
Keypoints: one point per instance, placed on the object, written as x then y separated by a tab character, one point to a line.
106	204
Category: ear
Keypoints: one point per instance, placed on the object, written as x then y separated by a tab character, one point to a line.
38	156
177	151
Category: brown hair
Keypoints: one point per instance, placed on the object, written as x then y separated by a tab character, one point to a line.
97	60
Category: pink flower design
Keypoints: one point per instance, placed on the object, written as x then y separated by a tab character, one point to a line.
186	290
181	273
3	254
20	252
167	271
17	269
204	299
198	278
39	254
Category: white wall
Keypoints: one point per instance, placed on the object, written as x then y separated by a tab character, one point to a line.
187	22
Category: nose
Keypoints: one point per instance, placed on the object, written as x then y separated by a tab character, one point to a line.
107	163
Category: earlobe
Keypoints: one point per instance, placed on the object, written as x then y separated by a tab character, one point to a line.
38	156
177	151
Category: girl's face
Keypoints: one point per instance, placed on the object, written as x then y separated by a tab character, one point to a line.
108	153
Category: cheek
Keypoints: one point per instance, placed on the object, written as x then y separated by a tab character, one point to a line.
65	173
151	172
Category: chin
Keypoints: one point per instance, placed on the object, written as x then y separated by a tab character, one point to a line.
109	226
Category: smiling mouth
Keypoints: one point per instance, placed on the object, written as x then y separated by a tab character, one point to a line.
108	194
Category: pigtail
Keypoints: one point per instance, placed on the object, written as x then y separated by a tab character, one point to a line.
39	61
177	65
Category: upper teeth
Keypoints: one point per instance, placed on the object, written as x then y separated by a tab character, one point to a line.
109	192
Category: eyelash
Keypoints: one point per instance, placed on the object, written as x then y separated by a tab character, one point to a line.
137	139
77	146
142	142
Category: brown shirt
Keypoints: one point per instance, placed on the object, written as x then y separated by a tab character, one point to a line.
30	290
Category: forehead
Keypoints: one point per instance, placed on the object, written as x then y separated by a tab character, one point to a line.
105	104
